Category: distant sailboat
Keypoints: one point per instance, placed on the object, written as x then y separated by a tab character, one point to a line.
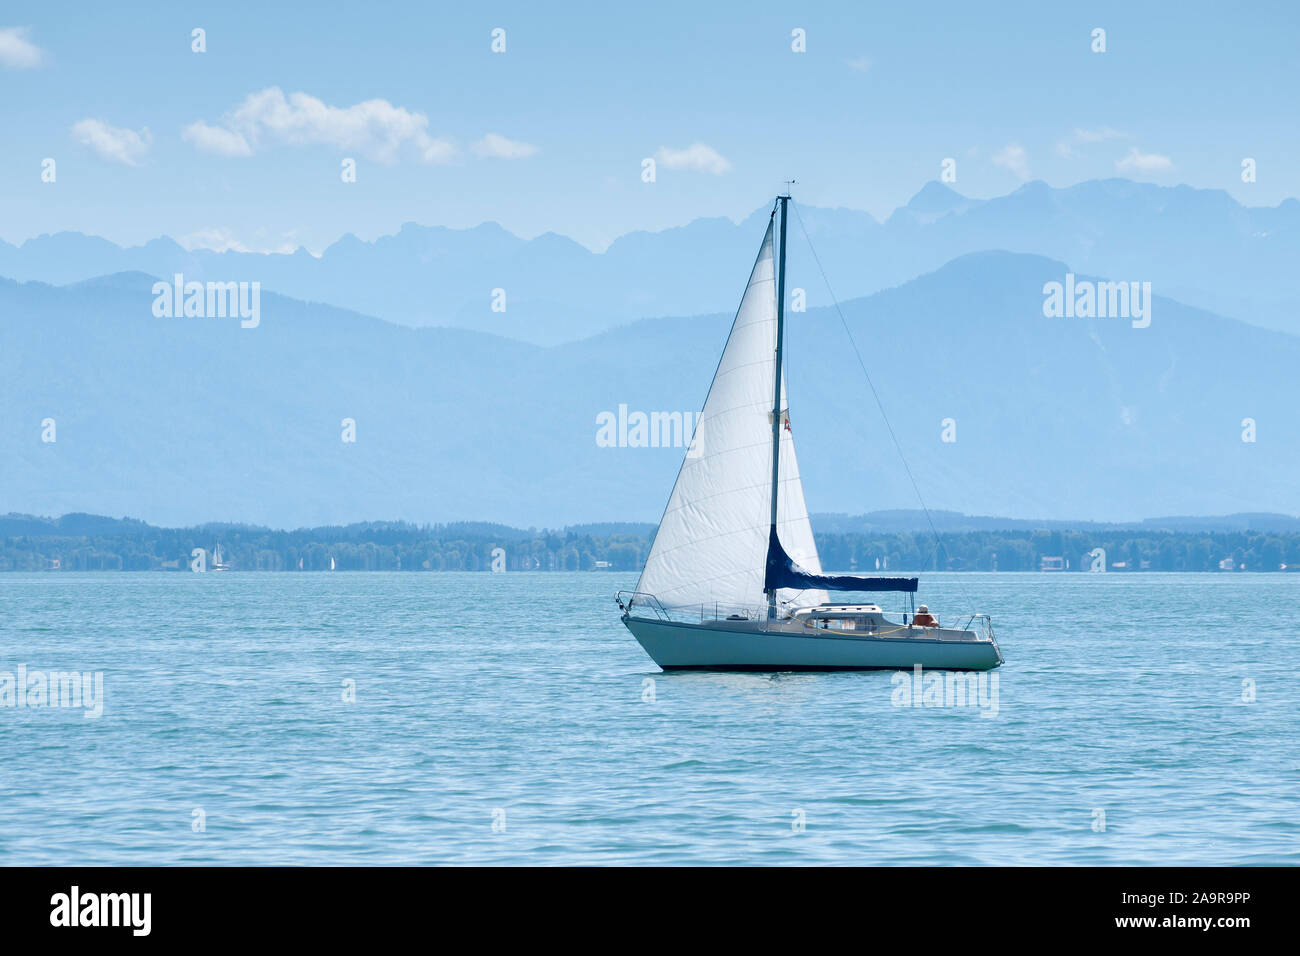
733	580
218	560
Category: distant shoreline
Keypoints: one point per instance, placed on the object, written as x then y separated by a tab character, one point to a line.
94	543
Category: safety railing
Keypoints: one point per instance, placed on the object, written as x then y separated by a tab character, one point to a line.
642	604
628	601
631	601
899	624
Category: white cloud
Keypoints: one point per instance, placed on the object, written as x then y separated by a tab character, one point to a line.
216	139
112	142
697	157
1013	157
16	51
1081	136
220	239
1139	162
437	150
859	64
376	129
495	146
216	240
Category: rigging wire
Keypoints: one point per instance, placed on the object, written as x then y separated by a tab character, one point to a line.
938	541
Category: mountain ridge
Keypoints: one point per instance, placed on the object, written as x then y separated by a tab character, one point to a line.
180	420
1199	246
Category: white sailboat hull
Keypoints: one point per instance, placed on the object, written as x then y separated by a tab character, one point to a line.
718	645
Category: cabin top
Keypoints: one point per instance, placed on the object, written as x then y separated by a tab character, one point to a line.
839	610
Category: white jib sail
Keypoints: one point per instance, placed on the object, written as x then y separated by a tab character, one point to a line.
711	547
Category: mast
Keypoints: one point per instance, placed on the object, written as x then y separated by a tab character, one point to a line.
776	387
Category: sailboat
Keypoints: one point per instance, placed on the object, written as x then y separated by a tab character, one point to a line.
218	560
733	580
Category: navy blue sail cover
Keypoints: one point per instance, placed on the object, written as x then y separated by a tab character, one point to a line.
782	572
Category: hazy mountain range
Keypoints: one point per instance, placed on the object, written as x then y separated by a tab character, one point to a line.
183	421
1197	246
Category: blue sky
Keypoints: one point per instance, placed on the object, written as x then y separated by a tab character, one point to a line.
550	135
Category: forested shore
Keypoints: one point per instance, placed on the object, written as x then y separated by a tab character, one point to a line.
93	543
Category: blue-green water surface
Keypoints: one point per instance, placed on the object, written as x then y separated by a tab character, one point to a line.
507	719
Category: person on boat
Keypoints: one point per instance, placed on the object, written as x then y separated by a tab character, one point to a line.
923	618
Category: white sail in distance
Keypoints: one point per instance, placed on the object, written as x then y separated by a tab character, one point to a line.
711	546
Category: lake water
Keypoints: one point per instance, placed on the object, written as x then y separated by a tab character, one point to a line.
505	719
